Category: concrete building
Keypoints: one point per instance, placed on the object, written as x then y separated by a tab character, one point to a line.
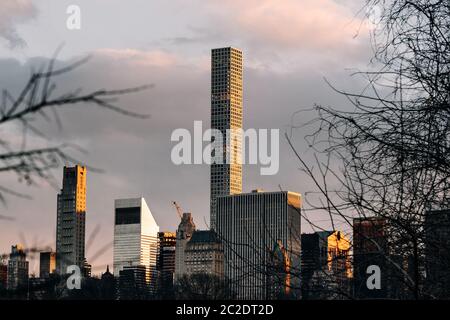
135	238
252	227
47	264
71	219
204	254
17	269
226	114
184	233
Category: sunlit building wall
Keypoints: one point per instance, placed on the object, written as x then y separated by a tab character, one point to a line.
226	113
250	226
135	237
71	219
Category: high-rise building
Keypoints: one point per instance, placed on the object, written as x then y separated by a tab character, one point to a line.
437	252
71	219
17	269
47	264
254	229
166	261
325	265
204	253
370	247
226	114
135	238
184	233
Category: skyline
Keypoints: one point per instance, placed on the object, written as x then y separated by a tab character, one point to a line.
173	69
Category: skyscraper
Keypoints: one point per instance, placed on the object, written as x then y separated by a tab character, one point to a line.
166	261
226	114
184	233
47	264
17	269
260	232
71	219
135	237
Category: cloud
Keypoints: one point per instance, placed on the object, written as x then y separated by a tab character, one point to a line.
13	12
157	58
279	25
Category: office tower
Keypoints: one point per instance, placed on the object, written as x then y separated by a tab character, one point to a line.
325	265
133	284
437	252
370	247
71	219
135	238
17	269
166	262
204	253
184	233
226	114
47	264
252	227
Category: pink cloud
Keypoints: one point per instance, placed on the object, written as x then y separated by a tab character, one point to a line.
313	24
156	58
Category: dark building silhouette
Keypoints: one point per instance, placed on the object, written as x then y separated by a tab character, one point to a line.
133	284
437	253
108	289
165	263
47	264
369	248
17	269
3	275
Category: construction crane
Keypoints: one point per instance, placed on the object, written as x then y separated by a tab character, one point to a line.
179	210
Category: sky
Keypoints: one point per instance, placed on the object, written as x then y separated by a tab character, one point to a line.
290	47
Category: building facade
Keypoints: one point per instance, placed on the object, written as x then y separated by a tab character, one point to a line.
17	269
325	266
47	264
437	252
204	254
184	233
370	247
135	238
166	262
253	228
71	219
226	114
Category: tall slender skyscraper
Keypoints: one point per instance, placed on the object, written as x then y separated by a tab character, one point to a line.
71	219
226	114
135	237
